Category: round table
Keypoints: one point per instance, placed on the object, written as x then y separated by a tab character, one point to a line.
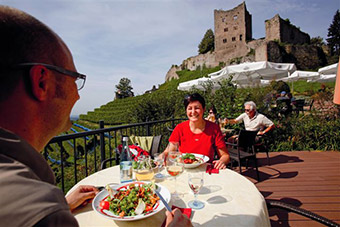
230	200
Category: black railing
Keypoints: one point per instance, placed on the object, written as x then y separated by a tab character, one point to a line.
75	156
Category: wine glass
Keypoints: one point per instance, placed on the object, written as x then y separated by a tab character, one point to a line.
144	171
195	181
174	166
159	160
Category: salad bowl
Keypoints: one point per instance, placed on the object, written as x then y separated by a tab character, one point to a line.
102	195
192	160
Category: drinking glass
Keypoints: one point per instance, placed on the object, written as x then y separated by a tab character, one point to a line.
195	181
159	160
144	171
174	166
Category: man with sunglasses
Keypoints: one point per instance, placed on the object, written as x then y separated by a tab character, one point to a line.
253	121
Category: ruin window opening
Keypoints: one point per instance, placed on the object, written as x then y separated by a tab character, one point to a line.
240	37
233	39
225	29
235	17
224	40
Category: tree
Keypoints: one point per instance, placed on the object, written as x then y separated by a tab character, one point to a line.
333	35
317	41
124	89
208	42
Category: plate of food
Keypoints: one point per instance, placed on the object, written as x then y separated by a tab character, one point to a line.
194	160
130	201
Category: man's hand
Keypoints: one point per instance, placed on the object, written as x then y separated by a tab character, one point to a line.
260	133
177	219
81	196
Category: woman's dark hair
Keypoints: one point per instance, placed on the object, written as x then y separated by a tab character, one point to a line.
192	98
212	107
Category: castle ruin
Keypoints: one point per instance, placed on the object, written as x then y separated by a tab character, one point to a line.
234	43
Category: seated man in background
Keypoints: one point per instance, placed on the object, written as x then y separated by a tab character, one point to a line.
253	121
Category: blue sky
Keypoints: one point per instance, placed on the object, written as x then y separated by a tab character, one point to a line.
141	39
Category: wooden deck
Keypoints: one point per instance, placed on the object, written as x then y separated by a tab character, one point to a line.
310	180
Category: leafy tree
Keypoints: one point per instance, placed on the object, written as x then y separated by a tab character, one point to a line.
124	89
317	41
334	35
208	42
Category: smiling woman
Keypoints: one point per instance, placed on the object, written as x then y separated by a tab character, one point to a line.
199	136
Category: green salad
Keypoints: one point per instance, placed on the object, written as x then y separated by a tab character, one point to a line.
131	200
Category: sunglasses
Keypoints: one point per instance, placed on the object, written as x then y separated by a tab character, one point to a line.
247	110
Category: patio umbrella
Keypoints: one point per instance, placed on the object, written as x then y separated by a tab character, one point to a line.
301	75
251	73
199	83
324	78
330	69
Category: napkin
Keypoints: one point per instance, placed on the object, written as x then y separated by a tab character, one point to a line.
185	211
210	169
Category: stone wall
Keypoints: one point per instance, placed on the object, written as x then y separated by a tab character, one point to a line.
171	74
305	57
283	31
208	59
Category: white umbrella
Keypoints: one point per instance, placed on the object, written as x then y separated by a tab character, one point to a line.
301	75
330	69
324	78
199	83
252	72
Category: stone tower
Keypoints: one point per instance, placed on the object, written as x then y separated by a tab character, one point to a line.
283	31
232	29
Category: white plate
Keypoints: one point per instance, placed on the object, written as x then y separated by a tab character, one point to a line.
194	165
108	214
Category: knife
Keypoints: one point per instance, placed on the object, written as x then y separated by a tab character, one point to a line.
163	200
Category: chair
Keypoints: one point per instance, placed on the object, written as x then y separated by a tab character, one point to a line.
299	104
284	107
260	146
156	141
244	149
290	208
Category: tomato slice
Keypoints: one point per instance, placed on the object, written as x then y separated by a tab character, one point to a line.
104	204
148	208
188	161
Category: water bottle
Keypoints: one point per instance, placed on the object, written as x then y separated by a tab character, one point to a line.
125	162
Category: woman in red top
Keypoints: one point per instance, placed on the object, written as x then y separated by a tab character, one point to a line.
198	135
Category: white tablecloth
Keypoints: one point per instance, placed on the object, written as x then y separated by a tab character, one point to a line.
230	200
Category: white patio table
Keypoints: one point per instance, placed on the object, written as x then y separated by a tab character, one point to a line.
230	200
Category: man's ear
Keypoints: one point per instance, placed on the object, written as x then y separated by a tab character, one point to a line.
39	82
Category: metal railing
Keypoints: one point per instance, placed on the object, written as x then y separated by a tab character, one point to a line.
75	156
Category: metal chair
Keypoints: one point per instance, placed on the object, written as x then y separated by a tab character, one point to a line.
290	208
260	146
154	149
244	149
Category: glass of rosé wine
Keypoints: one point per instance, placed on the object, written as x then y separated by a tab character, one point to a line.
174	166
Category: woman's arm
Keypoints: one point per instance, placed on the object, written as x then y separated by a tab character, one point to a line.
224	159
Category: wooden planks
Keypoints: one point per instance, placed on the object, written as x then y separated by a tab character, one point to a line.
310	180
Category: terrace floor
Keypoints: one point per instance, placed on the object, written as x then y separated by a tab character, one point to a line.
310	180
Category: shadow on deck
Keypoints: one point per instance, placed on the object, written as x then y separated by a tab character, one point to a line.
310	180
